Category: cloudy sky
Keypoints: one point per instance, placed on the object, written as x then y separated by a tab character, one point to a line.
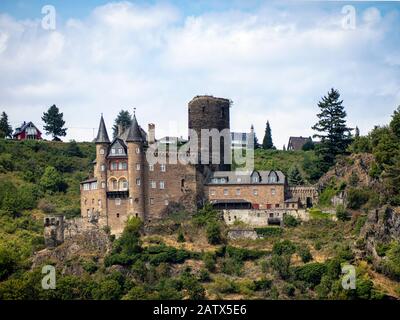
274	60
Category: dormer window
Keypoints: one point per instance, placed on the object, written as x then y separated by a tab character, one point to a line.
120	151
273	177
113	151
255	179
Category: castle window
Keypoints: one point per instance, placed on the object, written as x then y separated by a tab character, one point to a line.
103	185
123	184
102	151
238	192
88	212
117	215
93	185
162	185
153	184
138	181
86	186
277	205
212	192
226	192
151	167
138	166
151	201
114	184
103	167
137	150
99	203
273	191
114	165
117	201
163	168
271	215
166	202
255	192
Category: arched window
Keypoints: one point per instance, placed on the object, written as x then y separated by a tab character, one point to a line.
113	184
123	184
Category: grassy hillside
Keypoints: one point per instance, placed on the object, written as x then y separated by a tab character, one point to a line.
185	257
285	160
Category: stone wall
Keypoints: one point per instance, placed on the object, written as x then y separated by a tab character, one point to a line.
235	234
261	218
308	196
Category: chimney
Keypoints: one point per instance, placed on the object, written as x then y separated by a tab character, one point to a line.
119	129
152	133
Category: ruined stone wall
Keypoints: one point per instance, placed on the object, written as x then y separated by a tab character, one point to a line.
302	193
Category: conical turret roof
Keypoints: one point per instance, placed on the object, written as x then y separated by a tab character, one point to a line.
134	134
102	136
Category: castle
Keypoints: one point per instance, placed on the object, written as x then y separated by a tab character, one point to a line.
127	184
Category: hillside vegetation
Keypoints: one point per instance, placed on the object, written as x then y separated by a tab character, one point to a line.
184	257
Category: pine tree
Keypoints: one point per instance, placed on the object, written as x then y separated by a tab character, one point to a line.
5	128
54	123
334	133
124	119
294	176
267	141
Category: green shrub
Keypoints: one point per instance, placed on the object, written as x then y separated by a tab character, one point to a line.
310	273
269	231
304	254
204	275
181	237
284	247
281	264
263	284
357	198
391	265
209	261
289	289
341	213
213	232
232	266
290	221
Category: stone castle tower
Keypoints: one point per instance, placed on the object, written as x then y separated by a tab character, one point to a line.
102	144
208	112
136	170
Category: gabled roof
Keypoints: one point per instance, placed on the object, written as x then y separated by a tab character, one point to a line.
297	143
23	127
102	136
235	177
134	132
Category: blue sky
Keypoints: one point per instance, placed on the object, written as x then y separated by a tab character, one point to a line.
273	59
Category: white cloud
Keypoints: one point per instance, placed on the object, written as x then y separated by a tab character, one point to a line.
274	64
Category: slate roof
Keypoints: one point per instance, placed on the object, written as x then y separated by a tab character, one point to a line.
102	136
135	133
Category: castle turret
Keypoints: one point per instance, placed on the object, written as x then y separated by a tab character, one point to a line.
100	170
136	170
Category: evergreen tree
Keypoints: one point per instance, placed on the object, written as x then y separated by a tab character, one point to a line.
334	133
357	133
124	119
267	141
54	123
5	128
294	176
